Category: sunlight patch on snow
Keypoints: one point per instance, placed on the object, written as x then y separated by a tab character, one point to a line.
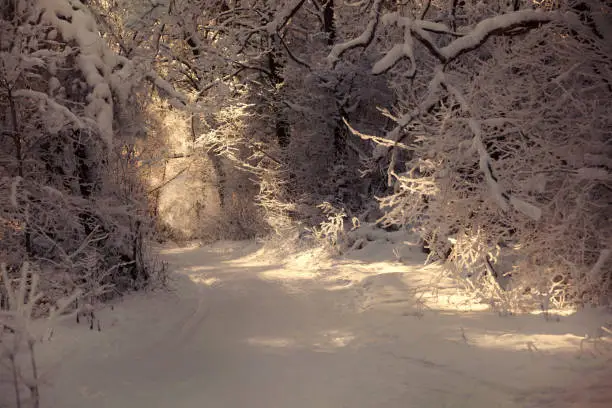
453	303
203	280
232	247
243	263
310	258
555	312
199	268
522	342
287	274
273	342
336	339
338	284
178	250
359	272
305	259
393	284
324	342
303	265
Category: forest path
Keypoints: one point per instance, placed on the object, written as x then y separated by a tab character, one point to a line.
239	330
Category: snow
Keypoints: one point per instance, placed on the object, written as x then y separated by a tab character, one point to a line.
530	210
361	40
594	173
178	100
488	26
410	26
281	17
95	59
13	196
601	260
396	53
245	326
485	165
58	109
390	59
431	99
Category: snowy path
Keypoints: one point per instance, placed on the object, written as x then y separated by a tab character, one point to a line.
240	332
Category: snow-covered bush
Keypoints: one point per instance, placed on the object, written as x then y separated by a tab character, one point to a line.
18	338
331	233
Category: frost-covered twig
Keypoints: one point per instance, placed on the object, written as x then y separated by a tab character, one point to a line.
18	320
378	140
502	198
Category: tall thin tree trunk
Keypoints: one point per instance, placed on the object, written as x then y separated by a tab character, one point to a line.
283	135
329	26
19	156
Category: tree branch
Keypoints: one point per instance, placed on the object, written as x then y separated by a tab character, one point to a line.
165	183
363	40
495	26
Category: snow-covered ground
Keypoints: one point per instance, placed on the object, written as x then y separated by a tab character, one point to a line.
243	327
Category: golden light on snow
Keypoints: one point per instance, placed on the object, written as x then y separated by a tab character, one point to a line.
524	342
203	280
178	250
452	303
322	342
273	342
287	274
336	339
555	312
200	268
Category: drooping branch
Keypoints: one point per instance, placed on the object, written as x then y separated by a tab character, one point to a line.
497	25
283	17
363	40
425	9
177	99
291	55
170	180
377	139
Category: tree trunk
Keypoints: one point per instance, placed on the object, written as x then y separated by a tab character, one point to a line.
329	26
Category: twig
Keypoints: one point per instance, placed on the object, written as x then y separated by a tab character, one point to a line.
377	139
168	181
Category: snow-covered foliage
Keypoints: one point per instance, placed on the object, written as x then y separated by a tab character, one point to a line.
18	338
283	103
71	202
506	123
483	126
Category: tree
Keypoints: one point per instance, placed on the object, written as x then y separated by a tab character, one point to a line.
485	180
71	203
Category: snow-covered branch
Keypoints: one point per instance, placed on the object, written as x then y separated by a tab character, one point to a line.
96	61
361	41
431	98
283	17
466	42
501	197
52	104
495	26
176	98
